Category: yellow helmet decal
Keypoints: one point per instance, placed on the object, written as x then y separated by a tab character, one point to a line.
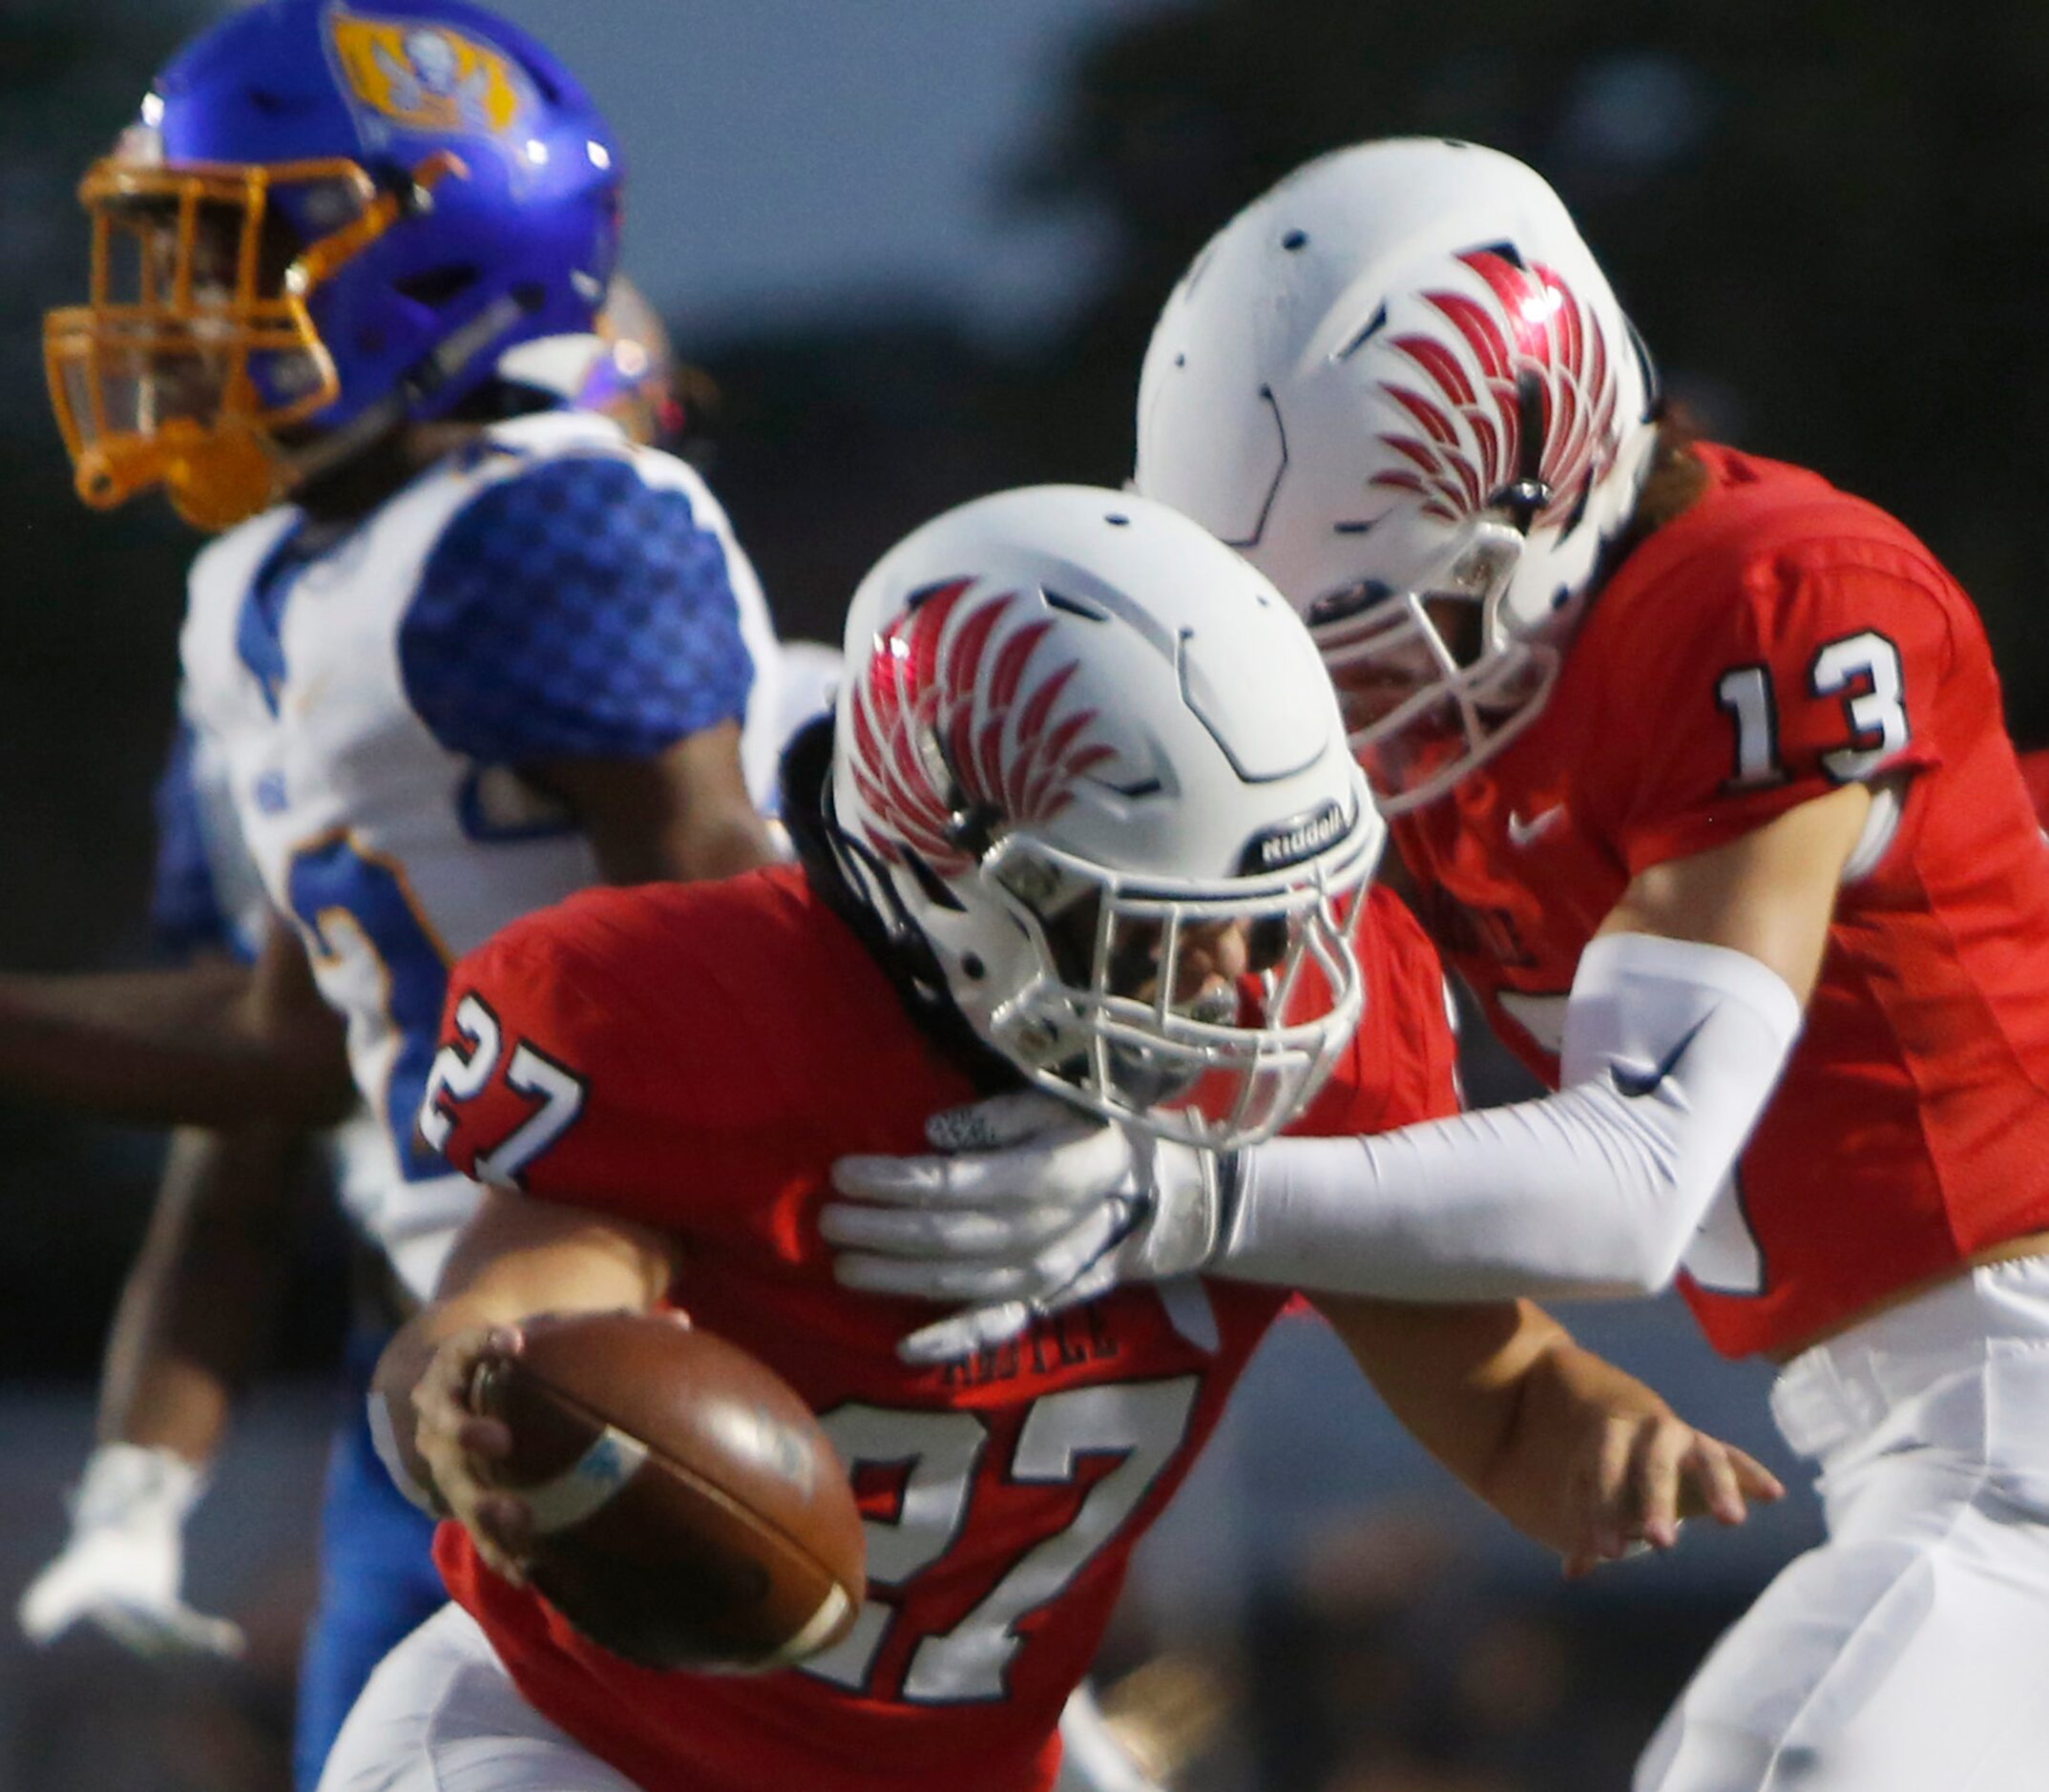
432	78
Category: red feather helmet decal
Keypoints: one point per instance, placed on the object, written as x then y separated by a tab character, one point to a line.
958	710
1467	446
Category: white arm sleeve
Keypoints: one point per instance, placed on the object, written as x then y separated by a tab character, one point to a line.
1672	1049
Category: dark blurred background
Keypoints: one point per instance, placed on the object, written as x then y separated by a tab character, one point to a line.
918	249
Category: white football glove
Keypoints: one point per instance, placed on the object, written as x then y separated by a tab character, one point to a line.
1031	1207
120	1570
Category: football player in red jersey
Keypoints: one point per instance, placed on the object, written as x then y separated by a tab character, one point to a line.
1057	845
1698	769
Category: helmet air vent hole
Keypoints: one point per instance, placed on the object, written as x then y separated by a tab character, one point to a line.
543	77
971	966
1295	239
929	880
438	285
1078	606
1373	324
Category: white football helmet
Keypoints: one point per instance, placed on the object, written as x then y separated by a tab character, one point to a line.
1133	870
1400	386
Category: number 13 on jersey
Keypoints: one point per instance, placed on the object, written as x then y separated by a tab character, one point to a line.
1862	671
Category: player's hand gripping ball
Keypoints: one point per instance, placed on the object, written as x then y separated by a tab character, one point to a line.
687	1511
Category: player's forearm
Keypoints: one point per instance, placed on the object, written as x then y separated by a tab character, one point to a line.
185	1046
196	1314
715	839
1501	1396
1489	1206
1563	1405
679	816
1672	1050
726	844
1453	1375
517	1258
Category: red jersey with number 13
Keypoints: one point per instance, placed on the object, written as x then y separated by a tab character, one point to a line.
1775	641
694	1058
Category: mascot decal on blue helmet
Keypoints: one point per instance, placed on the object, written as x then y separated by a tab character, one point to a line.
324	223
426	77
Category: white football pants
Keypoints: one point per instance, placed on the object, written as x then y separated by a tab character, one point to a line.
1910	1652
442	1714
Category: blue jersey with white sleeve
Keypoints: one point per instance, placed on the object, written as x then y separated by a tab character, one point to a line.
550	592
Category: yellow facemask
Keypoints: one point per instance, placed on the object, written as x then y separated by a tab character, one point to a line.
196	349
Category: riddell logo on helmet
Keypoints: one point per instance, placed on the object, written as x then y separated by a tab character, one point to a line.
1299	838
419	76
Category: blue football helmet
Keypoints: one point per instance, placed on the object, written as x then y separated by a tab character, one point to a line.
325	222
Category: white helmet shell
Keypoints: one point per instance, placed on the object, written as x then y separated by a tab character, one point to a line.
1052	774
1400	377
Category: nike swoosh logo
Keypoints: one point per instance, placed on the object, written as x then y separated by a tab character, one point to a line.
1521	833
1635	1083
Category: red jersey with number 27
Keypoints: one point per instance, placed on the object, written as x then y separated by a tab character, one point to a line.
694	1058
1775	641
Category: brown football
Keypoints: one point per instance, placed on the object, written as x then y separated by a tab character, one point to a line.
689	1513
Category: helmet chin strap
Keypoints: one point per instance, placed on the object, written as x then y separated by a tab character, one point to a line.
327	452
